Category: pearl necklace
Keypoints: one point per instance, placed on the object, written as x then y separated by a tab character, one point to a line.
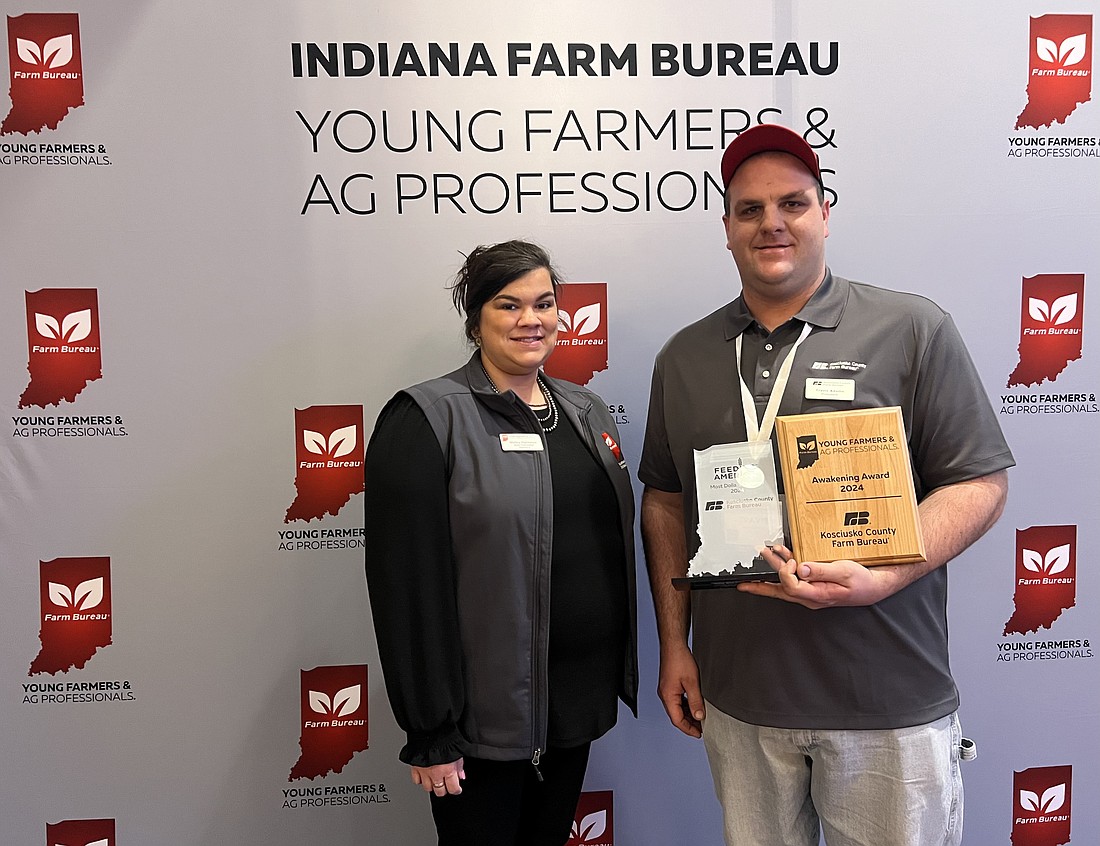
551	415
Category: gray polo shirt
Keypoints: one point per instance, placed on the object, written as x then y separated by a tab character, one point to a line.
774	663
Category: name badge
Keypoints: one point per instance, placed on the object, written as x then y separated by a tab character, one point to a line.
830	389
521	442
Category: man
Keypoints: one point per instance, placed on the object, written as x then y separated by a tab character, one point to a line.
829	702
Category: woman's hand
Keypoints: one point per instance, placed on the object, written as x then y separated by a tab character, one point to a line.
440	779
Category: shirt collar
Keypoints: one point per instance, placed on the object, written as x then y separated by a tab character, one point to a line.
823	310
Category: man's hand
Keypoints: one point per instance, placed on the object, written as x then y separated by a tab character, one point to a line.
678	689
666	558
817	584
952	518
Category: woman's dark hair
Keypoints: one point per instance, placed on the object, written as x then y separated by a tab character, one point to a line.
488	269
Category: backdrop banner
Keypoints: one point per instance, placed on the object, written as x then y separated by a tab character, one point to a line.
226	232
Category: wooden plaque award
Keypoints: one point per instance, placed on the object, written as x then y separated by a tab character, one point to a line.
849	487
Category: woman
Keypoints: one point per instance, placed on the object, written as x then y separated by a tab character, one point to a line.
500	561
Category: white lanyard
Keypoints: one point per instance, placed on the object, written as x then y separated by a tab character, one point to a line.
755	430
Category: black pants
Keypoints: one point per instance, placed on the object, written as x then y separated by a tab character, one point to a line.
504	804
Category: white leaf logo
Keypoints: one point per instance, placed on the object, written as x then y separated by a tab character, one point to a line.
587	319
1062	310
102	842
28	51
341	442
56	53
47	326
1072	50
1046	49
1055	561
591	827
74	327
584	322
1068	53
345	701
1053	799
87	594
314	442
60	595
320	702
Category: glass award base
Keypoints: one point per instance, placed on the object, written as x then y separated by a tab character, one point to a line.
759	572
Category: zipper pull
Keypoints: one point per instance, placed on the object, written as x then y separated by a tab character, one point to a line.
535	763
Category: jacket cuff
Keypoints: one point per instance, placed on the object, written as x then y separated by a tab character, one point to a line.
427	749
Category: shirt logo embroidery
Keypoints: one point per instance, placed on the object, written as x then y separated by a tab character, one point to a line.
852	366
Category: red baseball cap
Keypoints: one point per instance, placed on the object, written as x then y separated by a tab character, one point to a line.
765	138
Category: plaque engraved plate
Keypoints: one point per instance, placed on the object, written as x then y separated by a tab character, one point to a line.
849	487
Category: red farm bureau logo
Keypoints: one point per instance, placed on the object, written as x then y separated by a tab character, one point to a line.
1041	806
581	351
1059	69
1046	577
614	447
75	598
328	458
81	833
63	348
334	719
1051	323
594	823
47	78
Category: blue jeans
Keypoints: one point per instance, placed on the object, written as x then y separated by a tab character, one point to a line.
783	787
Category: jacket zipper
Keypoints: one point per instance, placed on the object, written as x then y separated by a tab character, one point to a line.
539	659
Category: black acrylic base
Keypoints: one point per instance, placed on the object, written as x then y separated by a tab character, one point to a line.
726	580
